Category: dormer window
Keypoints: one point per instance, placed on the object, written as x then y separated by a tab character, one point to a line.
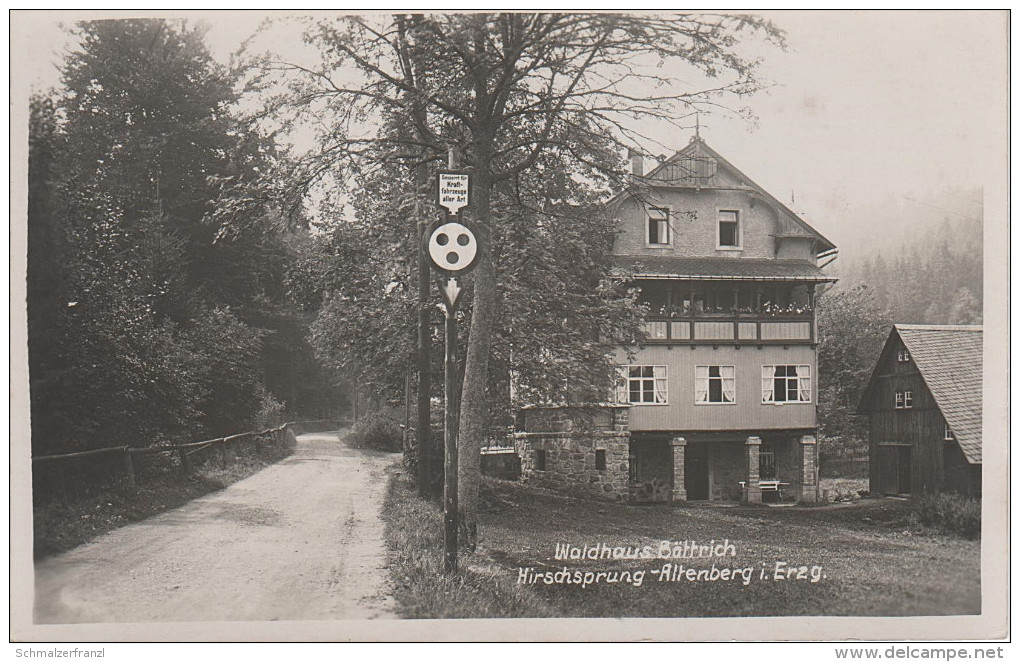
658	226
729	229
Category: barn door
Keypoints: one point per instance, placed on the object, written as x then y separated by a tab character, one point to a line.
887	470
894	470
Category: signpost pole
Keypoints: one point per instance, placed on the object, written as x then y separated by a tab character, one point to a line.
453	249
450	523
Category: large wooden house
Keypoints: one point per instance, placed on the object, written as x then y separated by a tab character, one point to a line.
718	399
924	408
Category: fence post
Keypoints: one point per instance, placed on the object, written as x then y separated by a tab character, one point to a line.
129	467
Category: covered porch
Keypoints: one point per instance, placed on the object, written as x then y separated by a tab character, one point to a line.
751	468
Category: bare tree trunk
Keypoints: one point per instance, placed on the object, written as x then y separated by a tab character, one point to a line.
473	402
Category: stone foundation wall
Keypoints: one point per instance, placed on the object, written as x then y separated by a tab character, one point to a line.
570	438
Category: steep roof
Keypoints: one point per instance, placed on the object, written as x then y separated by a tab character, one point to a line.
719	268
949	360
698	152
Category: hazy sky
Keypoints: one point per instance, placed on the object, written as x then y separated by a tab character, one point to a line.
868	104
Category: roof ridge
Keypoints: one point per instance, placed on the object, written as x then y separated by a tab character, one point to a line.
940	327
717	257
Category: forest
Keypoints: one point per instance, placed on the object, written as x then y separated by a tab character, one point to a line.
148	325
927	270
189	276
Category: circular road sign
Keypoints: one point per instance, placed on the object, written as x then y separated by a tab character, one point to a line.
453	248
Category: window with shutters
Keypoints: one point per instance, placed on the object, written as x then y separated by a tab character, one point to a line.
658	226
715	384
643	385
729	229
782	384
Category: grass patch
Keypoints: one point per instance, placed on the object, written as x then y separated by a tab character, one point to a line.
60	526
480	589
952	513
872	561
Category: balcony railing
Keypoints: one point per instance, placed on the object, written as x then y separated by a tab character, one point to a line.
731	327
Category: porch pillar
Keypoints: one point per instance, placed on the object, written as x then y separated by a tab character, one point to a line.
752	485
679	492
808	469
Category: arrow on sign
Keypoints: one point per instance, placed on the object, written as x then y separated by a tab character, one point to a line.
451	292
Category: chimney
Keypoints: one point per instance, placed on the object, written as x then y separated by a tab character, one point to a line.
637	163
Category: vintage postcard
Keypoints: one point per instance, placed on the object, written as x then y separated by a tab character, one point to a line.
490	326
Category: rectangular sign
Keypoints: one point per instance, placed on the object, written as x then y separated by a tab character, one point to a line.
454	190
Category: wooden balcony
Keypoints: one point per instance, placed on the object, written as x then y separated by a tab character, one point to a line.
731	328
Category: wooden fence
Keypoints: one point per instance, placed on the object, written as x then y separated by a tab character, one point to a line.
102	465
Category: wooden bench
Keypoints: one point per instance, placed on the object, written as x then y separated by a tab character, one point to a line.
775	486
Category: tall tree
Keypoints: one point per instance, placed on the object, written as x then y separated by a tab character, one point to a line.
509	91
142	318
852	328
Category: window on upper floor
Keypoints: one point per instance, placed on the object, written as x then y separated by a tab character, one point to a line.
729	229
643	385
715	384
948	436
658	226
785	383
904	400
903	356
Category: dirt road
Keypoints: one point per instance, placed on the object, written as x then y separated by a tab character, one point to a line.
300	540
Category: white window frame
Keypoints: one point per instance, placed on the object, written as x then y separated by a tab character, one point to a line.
908	399
669	227
738	214
903	355
703	381
659	380
898	403
948	434
805	384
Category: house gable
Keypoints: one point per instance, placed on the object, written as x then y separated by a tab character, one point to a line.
948	359
697	187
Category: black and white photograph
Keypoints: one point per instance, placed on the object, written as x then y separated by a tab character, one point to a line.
480	325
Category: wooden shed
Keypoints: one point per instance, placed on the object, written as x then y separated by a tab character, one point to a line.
924	406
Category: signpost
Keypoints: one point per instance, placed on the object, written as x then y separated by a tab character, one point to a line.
453	250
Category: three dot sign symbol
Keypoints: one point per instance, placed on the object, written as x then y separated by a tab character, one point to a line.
453	247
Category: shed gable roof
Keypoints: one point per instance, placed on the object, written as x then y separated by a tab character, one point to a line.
949	360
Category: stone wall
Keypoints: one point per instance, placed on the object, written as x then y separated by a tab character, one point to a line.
570	438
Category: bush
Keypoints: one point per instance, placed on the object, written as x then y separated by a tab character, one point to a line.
271	412
952	513
378	430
